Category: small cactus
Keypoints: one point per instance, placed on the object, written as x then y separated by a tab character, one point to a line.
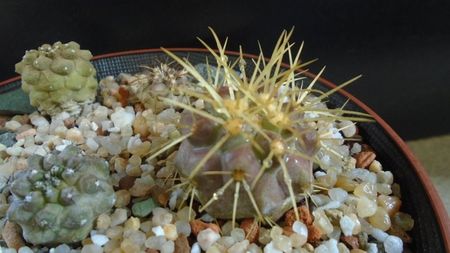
250	151
58	77
58	197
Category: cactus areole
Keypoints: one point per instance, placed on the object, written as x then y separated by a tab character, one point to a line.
58	197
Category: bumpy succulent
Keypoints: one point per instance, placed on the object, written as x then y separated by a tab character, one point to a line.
58	197
58	77
146	87
260	132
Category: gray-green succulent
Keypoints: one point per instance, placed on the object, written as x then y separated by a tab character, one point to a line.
58	197
58	77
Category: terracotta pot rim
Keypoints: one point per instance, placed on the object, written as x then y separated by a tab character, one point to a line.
436	202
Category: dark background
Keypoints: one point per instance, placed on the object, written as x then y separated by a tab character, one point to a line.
401	47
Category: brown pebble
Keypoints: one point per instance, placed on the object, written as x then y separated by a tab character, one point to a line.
350	241
156	251
126	182
304	213
198	225
251	229
12	236
69	122
287	231
139	107
314	233
182	245
122	95
400	234
160	195
364	159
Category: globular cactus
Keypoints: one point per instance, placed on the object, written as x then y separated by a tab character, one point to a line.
250	151
58	197
58	77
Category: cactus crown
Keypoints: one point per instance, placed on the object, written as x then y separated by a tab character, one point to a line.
58	197
258	131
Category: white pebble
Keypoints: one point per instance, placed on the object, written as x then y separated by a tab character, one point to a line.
393	244
238	234
356	148
99	239
331	205
7	250
348	128
92	144
183	227
161	217
62	248
300	228
158	231
91	248
155	242
206	238
168	247
372	248
253	248
338	194
347	225
25	249
378	234
118	217
195	248
14	151
240	247
39	121
122	118
270	248
12	125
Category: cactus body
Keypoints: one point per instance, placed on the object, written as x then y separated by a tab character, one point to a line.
58	197
58	77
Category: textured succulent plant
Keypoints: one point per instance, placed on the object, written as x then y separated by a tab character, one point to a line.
58	77
58	197
259	133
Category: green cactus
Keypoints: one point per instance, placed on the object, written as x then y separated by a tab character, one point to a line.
58	197
58	77
250	151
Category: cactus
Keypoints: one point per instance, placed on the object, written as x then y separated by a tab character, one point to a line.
250	151
58	77
58	197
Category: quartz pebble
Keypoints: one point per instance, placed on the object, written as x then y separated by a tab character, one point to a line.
393	244
240	247
12	125
206	238
155	242
238	234
25	249
347	225
91	248
168	247
99	239
338	194
270	248
118	217
62	248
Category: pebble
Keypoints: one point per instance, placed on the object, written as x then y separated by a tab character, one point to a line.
170	231
183	227
62	248
129	246
270	248
283	243
91	248
39	121
132	223
103	221
123	198
115	232
137	237
378	234
347	225
366	207
75	135
92	144
348	128
206	238
155	242
8	139
158	231
11	234
29	132
25	249
14	151
168	247
12	125
118	217
393	244
372	248
196	248
338	194
99	239
238	234
122	118
161	217
240	247
182	245
298	240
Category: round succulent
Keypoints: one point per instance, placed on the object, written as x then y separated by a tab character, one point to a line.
58	77
58	197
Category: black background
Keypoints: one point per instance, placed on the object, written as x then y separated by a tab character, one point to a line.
402	48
